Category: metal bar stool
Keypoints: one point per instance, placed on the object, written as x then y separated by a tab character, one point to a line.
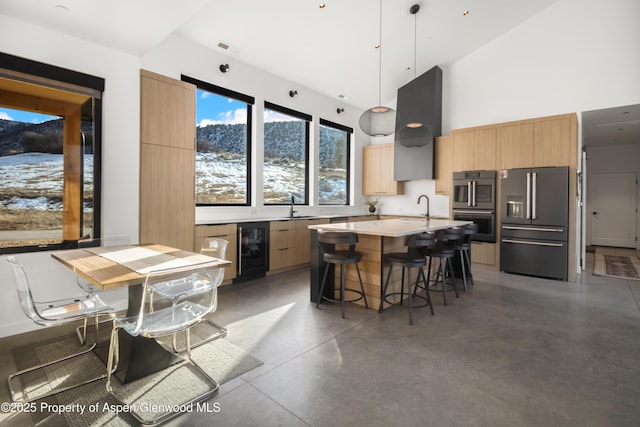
417	245
328	240
464	247
445	250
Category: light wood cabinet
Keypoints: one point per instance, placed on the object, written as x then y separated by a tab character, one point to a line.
290	242
483	253
228	232
282	244
547	141
475	149
167	161
377	171
444	165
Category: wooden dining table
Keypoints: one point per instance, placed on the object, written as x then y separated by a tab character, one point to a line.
128	265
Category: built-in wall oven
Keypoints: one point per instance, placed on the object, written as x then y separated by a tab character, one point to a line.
486	220
253	250
474	199
474	189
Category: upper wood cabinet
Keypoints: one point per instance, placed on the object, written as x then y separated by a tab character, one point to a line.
167	161
377	171
444	165
475	149
548	141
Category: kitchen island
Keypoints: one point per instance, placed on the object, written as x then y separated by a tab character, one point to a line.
375	238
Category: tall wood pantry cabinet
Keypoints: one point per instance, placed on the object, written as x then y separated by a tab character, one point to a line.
167	161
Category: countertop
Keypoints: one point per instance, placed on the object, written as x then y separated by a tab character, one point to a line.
391	227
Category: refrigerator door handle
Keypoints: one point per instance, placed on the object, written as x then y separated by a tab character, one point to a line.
534	195
528	201
553	230
469	190
526	242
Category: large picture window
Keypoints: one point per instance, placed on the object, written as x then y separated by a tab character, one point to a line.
286	155
223	145
50	121
334	171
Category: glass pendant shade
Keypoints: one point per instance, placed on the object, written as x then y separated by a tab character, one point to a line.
378	121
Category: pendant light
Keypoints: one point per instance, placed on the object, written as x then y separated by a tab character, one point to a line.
378	120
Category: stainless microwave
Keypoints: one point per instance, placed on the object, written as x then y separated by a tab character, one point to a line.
474	189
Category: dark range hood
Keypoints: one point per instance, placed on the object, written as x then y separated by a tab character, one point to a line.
418	123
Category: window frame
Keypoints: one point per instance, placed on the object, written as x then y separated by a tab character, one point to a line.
237	96
52	77
349	132
307	119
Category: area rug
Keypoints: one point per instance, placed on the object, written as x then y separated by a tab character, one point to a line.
622	267
92	405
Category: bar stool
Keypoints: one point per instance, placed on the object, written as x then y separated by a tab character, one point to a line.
417	245
328	240
445	250
464	247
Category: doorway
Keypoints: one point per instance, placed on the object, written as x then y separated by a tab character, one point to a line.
611	204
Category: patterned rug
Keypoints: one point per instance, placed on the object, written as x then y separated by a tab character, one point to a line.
220	359
622	267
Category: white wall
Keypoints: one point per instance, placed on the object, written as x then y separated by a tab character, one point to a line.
574	56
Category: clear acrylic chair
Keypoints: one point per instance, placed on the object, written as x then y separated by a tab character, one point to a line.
194	293
53	313
207	330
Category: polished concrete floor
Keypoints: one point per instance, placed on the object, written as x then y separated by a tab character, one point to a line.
512	351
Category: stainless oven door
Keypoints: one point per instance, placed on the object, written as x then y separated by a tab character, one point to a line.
486	220
474	189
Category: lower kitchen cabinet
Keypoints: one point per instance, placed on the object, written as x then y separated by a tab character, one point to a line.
227	232
483	253
290	242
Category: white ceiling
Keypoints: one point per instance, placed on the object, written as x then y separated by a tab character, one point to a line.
328	50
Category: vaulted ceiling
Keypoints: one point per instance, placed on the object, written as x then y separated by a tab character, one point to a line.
328	49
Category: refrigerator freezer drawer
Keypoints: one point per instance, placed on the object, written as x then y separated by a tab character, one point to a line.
531	232
542	258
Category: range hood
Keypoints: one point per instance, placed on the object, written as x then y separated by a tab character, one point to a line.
418	123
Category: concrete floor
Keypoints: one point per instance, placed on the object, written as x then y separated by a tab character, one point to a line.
512	351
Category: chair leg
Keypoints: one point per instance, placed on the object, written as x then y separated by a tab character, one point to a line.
466	257
114	357
464	272
384	290
453	277
324	281
426	288
409	294
364	295
342	288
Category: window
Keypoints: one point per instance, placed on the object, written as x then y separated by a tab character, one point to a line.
334	170
50	122
223	145
286	155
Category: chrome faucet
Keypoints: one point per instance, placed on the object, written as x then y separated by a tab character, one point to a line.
291	211
426	197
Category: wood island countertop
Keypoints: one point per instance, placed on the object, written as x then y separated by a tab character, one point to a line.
391	227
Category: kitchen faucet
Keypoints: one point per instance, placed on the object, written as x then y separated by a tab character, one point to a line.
291	211
426	197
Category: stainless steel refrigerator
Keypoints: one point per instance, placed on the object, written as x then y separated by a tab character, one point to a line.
534	221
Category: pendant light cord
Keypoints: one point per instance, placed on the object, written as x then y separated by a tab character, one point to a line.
415	43
380	59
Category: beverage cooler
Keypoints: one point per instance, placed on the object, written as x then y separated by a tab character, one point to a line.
534	221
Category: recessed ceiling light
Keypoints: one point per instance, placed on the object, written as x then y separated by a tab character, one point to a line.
322	5
465	13
377	45
408	69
